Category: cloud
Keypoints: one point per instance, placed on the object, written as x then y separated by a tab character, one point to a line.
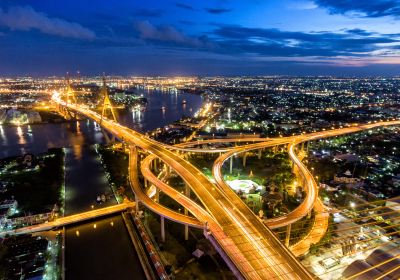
167	34
184	6
302	5
26	18
346	47
361	32
217	11
367	8
270	41
148	13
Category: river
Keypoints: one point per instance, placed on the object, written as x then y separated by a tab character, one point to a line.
99	249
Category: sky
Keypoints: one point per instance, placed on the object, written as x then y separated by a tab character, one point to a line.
204	37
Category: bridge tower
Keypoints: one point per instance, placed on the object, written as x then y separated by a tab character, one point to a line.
69	93
107	107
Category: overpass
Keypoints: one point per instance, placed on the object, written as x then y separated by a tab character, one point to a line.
246	241
71	219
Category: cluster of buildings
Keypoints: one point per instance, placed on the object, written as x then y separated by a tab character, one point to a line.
26	257
368	163
19	117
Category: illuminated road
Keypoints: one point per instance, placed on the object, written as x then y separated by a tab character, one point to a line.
188	146
250	245
321	219
318	230
310	185
63	221
154	205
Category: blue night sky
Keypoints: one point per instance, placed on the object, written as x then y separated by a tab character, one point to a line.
209	37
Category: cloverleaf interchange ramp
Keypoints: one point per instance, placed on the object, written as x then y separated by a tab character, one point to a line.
242	236
245	240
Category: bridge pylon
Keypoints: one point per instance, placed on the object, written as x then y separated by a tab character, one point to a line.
107	108
69	96
69	93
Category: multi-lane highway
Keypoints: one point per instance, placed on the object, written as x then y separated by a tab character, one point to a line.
249	244
71	219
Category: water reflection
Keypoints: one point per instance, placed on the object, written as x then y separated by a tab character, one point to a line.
154	116
3	137
39	138
91	246
21	136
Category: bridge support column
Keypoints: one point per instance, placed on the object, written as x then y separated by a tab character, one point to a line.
108	140
168	170
136	203
187	193
259	153
155	165
230	164
186	232
157	194
288	229
162	229
187	190
244	159
146	183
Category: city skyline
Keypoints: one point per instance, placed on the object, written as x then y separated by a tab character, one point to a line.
321	37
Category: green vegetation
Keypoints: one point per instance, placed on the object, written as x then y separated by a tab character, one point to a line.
325	241
116	164
36	190
298	229
178	252
48	116
271	169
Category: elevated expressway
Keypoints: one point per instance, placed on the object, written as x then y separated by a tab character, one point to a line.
310	185
244	239
71	219
311	200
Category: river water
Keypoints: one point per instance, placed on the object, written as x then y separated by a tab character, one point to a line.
99	249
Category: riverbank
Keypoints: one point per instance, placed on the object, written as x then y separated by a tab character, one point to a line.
34	181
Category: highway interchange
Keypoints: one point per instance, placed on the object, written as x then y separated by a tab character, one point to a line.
244	240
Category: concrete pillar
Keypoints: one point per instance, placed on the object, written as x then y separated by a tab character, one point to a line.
136	203
187	190
186	232
231	164
108	140
244	159
168	170
155	164
162	229
287	239
157	194
259	153
145	183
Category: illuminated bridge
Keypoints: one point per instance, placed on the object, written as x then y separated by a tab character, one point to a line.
245	242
